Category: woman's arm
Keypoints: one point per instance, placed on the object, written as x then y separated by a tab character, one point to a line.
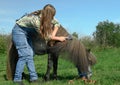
54	37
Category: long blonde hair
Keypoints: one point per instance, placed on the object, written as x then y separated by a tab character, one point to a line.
47	16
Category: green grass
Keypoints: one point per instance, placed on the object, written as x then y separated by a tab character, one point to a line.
106	71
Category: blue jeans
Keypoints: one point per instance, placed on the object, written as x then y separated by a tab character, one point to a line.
23	43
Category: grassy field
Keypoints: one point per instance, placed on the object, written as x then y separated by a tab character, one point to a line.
105	72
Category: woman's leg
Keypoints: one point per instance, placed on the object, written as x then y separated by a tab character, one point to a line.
25	53
30	62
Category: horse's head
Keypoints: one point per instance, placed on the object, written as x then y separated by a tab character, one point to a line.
91	57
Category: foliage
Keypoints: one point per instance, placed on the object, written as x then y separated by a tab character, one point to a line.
75	34
88	41
3	43
107	34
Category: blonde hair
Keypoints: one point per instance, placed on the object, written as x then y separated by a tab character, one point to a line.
47	16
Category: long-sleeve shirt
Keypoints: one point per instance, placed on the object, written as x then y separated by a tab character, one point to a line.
33	21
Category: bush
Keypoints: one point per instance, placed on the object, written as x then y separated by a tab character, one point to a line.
4	43
88	41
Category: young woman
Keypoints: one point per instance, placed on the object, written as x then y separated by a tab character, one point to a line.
41	21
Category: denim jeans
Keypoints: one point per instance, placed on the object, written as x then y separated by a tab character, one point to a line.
23	43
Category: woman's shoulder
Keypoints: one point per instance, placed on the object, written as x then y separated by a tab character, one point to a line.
28	17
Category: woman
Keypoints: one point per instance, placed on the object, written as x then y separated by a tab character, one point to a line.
41	21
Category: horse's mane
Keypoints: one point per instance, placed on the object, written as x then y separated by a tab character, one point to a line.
75	50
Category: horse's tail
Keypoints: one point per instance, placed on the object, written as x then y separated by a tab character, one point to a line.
75	51
12	58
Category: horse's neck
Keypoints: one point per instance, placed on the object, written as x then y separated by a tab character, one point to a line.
62	32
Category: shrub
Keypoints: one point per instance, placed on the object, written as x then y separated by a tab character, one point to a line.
4	43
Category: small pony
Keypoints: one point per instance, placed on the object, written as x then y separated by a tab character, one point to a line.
76	52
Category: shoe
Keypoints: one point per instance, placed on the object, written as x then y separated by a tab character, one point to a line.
19	83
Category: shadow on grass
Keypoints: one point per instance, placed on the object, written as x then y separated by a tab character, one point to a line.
41	75
58	77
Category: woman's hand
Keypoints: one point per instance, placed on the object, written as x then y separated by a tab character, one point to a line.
59	38
62	38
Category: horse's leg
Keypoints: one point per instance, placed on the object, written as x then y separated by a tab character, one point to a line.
55	65
49	66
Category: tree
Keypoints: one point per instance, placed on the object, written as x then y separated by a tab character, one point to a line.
3	43
75	34
116	36
107	34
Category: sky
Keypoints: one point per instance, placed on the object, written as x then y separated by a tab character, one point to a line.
80	16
